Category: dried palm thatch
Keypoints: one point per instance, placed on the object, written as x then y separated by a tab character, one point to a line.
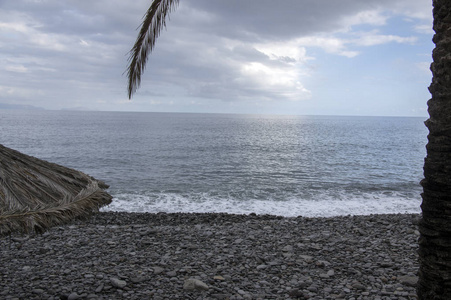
36	194
154	20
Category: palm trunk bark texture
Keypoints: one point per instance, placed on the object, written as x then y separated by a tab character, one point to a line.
435	227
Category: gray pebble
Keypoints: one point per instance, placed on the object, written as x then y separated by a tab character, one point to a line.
118	283
157	270
194	285
73	296
234	256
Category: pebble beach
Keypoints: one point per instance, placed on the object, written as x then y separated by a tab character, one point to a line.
214	256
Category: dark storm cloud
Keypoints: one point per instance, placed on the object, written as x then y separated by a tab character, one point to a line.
279	20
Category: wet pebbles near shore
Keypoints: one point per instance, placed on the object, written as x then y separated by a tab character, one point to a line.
214	256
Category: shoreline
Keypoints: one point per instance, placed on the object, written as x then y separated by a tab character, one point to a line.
116	255
323	206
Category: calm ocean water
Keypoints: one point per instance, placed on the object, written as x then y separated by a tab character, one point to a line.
280	165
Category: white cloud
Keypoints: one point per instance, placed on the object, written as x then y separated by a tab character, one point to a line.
371	39
424	29
16	68
370	17
83	43
29	34
278	82
329	44
289	52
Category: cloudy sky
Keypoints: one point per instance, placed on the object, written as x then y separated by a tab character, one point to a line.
306	57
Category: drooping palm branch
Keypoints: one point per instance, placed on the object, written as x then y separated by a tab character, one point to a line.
154	21
36	195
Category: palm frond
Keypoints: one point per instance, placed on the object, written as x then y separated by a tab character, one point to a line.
154	21
36	194
40	218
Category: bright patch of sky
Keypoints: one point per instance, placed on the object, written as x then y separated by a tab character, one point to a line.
347	57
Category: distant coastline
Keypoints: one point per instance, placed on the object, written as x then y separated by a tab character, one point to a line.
7	106
19	107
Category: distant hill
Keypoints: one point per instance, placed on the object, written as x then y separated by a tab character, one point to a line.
19	106
77	108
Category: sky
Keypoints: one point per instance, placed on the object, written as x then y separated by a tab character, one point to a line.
301	57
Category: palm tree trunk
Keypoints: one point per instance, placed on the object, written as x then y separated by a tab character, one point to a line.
435	227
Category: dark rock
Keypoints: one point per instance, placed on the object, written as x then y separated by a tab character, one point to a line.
408	280
120	284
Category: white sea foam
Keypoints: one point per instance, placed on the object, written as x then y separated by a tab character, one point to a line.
324	207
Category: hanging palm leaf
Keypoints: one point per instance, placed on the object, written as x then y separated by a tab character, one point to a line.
154	21
36	194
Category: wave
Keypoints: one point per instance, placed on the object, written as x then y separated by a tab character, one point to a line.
323	205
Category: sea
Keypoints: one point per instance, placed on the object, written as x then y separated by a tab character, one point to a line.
312	166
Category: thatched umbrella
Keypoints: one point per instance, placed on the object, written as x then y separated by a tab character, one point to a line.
36	194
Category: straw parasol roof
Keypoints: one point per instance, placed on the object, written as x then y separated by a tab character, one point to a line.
36	194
